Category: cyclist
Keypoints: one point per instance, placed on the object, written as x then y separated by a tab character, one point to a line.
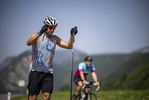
82	71
43	50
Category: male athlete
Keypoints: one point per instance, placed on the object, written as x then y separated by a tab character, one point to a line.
80	75
43	50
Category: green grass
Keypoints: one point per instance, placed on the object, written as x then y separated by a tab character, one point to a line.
102	95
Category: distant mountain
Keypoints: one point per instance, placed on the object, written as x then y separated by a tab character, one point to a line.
63	55
5	63
109	67
120	76
138	78
142	50
14	69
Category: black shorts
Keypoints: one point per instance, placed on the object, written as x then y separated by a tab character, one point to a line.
77	79
40	81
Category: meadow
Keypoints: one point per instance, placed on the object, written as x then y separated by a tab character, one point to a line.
102	95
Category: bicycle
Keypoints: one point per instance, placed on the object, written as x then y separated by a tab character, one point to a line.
90	95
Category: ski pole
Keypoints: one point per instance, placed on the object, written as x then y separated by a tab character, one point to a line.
72	64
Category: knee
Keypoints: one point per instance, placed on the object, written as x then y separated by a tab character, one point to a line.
32	97
46	96
81	85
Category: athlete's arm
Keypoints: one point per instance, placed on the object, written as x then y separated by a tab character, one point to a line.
82	75
94	75
67	45
63	44
35	36
33	39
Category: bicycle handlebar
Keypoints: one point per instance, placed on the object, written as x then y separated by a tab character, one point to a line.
91	83
85	85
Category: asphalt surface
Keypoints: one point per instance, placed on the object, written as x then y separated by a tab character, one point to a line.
4	96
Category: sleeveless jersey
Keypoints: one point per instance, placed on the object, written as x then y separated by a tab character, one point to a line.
82	68
42	54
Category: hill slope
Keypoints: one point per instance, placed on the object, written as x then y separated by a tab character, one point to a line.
111	69
17	69
116	78
138	79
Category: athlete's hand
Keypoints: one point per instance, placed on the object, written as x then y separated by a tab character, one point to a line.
43	29
84	82
98	83
74	31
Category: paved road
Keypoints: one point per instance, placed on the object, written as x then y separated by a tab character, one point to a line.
4	96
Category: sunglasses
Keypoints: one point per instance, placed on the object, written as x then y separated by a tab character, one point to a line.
50	27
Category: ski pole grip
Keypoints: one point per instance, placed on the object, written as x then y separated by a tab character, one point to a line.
75	27
74	31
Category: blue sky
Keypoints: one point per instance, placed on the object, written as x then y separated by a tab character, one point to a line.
104	26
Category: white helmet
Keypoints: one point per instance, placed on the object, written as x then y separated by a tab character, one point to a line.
51	21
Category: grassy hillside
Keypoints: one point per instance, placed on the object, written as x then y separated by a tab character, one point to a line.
122	74
105	64
138	79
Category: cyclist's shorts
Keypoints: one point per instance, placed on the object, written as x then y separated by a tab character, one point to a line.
40	81
77	79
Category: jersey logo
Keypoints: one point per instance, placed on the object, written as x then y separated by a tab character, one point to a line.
47	45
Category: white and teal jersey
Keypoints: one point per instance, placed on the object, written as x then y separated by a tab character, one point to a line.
42	54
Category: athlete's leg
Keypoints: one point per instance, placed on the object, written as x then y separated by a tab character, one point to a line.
79	87
85	91
33	85
46	96
33	97
79	84
47	86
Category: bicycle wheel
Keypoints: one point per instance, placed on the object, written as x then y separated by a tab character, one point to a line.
92	96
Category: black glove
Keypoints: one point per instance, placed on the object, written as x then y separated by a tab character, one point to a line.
43	29
74	31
